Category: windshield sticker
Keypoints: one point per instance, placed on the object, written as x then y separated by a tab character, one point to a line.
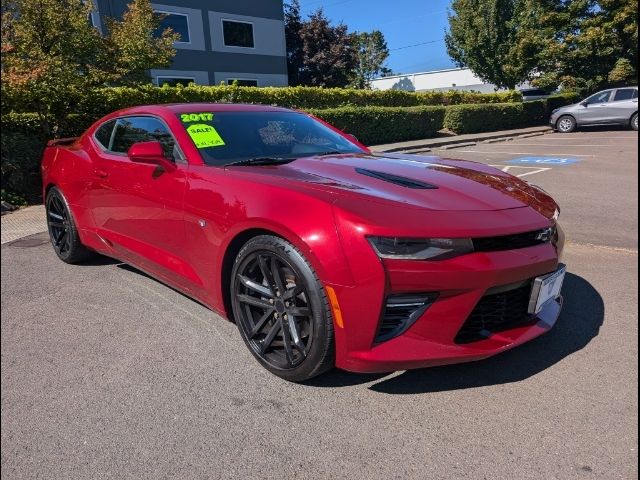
196	117
204	136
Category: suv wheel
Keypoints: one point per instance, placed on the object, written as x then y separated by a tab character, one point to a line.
566	124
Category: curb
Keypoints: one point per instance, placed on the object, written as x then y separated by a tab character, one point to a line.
465	141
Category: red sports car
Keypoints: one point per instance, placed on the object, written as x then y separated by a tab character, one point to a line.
323	253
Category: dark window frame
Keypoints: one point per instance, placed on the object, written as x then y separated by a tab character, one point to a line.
174	77
179	14
231	80
253	36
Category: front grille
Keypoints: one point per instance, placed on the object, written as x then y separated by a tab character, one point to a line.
512	242
496	312
400	312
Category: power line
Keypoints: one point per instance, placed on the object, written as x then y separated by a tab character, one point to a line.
417	44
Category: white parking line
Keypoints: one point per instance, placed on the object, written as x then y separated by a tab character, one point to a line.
554	145
528	153
507	168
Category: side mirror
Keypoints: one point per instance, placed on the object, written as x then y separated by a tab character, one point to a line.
151	153
584	104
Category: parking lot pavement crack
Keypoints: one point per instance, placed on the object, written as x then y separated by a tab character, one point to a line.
629	251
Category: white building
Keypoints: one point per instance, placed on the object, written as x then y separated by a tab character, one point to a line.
450	79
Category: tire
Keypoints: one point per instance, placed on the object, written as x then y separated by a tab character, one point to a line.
566	124
281	309
63	232
634	121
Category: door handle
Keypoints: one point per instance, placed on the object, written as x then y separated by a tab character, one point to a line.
101	173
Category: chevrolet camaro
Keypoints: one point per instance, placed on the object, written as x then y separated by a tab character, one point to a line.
323	253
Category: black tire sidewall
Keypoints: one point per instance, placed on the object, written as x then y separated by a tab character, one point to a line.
322	340
77	252
634	119
566	117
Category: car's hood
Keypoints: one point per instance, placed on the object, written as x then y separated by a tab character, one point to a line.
412	180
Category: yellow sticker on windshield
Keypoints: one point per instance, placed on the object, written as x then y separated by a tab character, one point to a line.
205	136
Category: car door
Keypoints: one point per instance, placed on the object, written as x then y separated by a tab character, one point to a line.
623	105
138	208
594	109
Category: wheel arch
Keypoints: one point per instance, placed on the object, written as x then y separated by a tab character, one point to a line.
232	250
567	115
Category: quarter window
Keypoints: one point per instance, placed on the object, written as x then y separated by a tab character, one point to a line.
130	130
103	134
237	34
625	94
179	23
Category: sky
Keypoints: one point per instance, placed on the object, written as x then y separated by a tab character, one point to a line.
414	29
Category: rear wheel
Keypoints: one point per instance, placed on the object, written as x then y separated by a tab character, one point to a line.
634	122
566	124
281	309
62	229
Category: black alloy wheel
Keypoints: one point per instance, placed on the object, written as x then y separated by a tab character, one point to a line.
281	309
62	229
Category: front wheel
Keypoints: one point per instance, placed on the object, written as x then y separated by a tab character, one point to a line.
566	124
634	122
281	309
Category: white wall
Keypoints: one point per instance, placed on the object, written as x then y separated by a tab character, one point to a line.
451	79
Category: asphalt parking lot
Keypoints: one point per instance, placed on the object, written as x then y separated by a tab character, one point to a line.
107	373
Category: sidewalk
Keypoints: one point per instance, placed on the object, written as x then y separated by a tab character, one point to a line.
23	222
459	140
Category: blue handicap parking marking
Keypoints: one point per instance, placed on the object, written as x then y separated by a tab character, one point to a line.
543	160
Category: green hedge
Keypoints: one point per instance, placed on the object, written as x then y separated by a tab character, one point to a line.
376	125
106	100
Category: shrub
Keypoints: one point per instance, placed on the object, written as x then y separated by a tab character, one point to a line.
484	118
106	100
376	125
561	99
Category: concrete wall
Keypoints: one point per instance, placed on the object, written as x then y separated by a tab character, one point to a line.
205	58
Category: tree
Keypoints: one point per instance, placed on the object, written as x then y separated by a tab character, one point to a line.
486	36
588	44
52	57
292	27
318	53
371	53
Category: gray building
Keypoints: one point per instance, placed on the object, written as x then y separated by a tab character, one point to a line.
220	40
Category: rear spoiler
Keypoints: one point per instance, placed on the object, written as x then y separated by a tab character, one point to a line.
60	142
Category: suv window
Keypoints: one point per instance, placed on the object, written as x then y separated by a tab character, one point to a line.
130	130
103	134
625	94
600	97
533	92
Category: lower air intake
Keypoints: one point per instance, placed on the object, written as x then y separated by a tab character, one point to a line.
401	311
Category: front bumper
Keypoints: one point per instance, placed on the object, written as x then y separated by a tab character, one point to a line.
460	283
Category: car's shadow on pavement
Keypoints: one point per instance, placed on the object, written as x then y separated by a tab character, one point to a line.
580	321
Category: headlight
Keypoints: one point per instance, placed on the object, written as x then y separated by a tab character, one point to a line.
420	248
555	110
556	214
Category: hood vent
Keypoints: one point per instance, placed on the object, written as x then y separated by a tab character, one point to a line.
395	179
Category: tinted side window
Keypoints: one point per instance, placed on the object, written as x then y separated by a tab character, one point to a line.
624	94
130	130
103	134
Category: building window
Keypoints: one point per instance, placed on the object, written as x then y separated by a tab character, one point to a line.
237	34
177	22
173	81
243	82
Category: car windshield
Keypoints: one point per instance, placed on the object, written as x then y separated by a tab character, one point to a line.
223	138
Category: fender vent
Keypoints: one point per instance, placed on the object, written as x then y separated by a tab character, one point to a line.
395	179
